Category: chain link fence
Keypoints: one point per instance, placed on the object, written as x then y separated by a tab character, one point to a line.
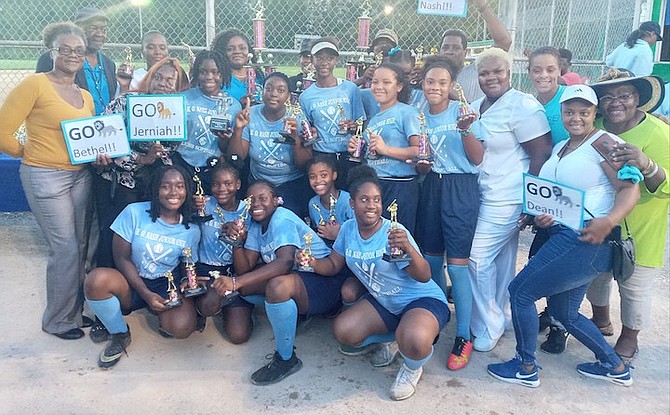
590	28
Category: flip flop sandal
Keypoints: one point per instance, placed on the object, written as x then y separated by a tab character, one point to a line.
607	330
628	360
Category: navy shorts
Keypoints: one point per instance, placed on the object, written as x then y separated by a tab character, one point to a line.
323	292
439	309
296	195
202	270
158	286
406	194
447	214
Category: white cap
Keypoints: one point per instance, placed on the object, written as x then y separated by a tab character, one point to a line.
324	45
584	92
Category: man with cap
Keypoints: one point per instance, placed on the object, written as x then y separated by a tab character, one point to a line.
385	40
305	60
331	105
455	46
635	54
98	76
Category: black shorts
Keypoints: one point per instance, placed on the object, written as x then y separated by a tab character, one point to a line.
323	292
157	286
202	270
436	307
406	193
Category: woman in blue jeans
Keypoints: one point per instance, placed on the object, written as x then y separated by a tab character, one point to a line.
565	265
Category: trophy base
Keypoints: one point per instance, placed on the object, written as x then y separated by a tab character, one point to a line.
201	219
217	125
428	159
233	242
396	258
285	138
342	132
194	292
355	159
229	297
307	143
307	268
173	303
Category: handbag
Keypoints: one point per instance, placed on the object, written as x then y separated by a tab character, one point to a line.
623	254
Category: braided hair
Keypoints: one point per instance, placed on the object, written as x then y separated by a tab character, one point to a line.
220	61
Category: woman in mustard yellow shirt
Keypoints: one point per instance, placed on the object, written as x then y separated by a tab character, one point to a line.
57	191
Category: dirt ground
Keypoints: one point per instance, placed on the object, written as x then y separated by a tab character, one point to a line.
40	373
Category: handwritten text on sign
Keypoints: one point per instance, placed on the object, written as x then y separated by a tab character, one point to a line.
86	138
156	117
565	204
453	8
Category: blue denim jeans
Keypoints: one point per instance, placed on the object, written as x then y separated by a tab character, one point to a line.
562	271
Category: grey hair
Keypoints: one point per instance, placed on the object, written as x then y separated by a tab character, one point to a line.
494	53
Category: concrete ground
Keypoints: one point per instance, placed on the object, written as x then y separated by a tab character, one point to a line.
40	373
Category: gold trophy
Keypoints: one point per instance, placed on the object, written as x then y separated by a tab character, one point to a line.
200	216
285	135
417	53
322	221
463	108
305	255
228	296
396	254
424	143
332	219
239	224
173	296
372	154
308	137
193	289
343	118
126	69
357	155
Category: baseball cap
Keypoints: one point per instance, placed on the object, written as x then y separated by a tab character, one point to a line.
389	34
324	45
89	13
584	92
652	27
305	50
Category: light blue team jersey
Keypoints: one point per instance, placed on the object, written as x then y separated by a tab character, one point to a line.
213	251
395	125
155	247
320	107
553	111
238	89
370	105
418	100
268	160
285	229
201	143
446	143
343	211
387	282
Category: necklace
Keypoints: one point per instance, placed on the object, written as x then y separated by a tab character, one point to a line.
581	142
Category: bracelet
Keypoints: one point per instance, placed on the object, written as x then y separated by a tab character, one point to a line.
649	168
653	172
465	132
234	284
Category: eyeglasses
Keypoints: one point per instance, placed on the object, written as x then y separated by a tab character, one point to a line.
66	51
608	99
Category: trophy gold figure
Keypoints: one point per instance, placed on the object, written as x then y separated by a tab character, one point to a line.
239	224
193	289
395	254
305	255
173	296
343	119
308	137
285	135
322	221
332	219
424	143
357	155
200	215
126	69
463	108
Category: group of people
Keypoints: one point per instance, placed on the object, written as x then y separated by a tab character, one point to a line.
344	201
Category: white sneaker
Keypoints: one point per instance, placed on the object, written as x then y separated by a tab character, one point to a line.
405	383
385	354
484	343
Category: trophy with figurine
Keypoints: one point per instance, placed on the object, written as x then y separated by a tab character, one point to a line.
463	108
285	136
305	255
395	254
343	120
308	137
372	154
239	224
200	216
228	296
332	201
357	155
222	120
316	207
126	69
193	288
424	143
173	299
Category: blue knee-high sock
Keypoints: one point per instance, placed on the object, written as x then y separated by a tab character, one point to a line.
437	271
283	318
461	290
109	312
379	338
416	364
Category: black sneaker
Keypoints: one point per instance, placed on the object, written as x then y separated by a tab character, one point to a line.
545	320
98	333
557	338
276	370
115	348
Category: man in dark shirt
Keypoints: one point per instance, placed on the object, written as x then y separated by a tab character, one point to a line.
305	60
98	76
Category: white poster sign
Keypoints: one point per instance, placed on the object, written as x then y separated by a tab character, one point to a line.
156	117
87	137
451	8
564	203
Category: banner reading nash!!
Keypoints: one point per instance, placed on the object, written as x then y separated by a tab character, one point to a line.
451	8
156	117
564	203
86	138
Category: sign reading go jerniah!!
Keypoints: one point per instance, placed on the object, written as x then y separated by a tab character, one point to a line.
156	117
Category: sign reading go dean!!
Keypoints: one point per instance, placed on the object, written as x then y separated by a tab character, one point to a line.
156	117
451	8
564	203
86	138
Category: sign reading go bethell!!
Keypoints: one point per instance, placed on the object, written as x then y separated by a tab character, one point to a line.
156	117
564	203
86	138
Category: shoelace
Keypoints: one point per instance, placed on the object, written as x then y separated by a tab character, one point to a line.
458	348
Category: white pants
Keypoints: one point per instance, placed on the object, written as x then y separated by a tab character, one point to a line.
635	292
492	267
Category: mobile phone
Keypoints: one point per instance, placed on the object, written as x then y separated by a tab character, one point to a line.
604	145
